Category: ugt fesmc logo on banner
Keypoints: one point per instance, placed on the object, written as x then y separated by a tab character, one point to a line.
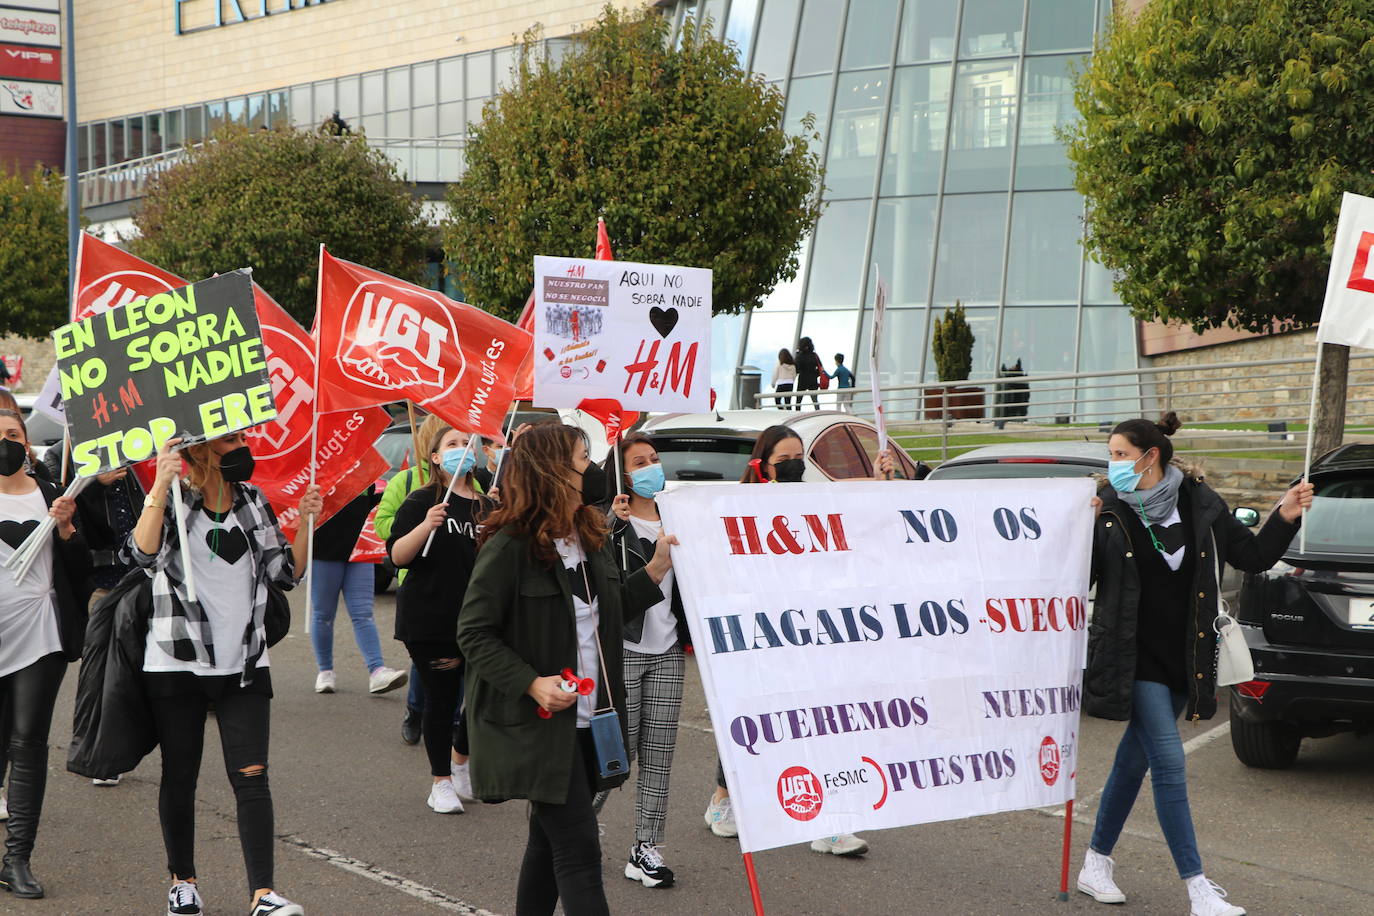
884	653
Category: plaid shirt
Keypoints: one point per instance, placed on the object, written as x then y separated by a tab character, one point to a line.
178	624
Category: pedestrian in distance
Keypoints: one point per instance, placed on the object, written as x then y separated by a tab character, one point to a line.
809	372
1160	540
42	626
429	600
401	485
655	663
335	575
546	595
213	651
785	377
844	381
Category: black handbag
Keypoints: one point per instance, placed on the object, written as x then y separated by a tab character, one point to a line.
276	619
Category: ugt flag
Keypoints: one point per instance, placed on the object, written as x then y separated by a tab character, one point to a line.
1348	312
382	339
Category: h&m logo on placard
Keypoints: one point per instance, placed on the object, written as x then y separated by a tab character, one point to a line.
823	536
393	344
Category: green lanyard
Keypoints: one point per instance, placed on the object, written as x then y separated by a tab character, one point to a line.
1144	520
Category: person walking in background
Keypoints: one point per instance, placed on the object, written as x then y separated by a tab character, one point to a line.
334	575
1159	542
844	381
655	664
42	626
547	595
397	489
809	371
428	603
213	651
784	377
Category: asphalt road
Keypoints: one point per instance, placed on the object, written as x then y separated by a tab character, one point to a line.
356	839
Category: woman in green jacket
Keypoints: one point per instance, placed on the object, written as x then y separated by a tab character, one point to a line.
546	595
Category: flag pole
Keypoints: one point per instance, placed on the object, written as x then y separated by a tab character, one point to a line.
1311	439
500	459
314	450
414	431
619	490
1064	863
452	479
753	878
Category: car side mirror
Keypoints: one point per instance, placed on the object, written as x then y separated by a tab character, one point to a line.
1247	516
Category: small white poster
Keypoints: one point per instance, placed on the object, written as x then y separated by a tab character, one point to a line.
22	97
639	334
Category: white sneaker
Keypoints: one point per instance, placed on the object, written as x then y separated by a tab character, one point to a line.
462	780
106	783
1209	899
183	899
274	904
324	682
842	844
720	817
4	809
1095	879
443	799
384	679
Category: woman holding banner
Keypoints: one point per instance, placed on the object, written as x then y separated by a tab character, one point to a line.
429	599
546	596
42	625
213	651
1160	540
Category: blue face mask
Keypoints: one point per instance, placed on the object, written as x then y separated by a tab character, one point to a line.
1123	476
494	457
459	461
648	480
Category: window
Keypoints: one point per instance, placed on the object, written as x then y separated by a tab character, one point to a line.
688	457
856	133
902	246
195	124
769	332
451	79
118	142
868	34
1098	287
916	131
726	334
1045	259
983	323
422	84
479	75
991	28
1041	340
968	263
503	63
1046	105
927	31
451	121
984	118
100	136
326	102
868	442
236	110
374	93
398	124
899	363
809	95
398	89
152	134
137	137
257	112
83	147
1340	520
347	102
837	267
276	109
302	114
1108	341
818	37
837	455
173	133
778	27
831	332
739	27
1060	25
424	122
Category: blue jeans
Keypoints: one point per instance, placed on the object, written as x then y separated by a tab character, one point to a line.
1152	743
355	580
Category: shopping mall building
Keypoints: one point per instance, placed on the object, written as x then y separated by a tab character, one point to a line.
938	119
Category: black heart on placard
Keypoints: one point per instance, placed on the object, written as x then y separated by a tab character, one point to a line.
14	533
229	544
663	320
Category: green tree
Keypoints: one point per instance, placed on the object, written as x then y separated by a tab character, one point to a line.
1215	141
33	254
677	147
952	344
267	199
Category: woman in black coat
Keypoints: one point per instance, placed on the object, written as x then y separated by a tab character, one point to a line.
1160	540
809	371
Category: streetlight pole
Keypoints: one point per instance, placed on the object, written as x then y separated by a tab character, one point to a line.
73	179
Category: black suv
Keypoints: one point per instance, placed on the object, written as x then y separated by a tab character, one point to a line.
1309	622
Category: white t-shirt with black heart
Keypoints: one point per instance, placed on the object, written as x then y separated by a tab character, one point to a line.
28	608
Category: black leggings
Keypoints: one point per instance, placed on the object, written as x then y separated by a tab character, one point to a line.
563	854
179	704
443	695
28	696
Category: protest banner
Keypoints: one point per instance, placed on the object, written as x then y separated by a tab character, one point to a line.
878	654
639	334
382	339
14	364
186	363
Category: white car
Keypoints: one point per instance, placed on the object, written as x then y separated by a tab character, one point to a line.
706	447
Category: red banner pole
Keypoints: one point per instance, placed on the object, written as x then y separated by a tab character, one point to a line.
753	883
1064	866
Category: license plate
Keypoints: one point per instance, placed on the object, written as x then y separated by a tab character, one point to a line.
1361	613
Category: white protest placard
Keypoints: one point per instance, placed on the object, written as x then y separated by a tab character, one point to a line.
1348	311
639	334
49	400
877	654
875	356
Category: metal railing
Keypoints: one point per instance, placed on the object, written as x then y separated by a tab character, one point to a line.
1254	410
418	159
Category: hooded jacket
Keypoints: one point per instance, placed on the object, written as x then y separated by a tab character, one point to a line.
1219	538
637	554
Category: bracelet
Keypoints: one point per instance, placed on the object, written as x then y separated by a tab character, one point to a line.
150	503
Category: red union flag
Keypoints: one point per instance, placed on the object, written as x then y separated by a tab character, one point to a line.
108	277
383	339
524	379
610	414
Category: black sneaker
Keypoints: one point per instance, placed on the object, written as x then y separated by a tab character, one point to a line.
646	866
184	900
274	904
410	726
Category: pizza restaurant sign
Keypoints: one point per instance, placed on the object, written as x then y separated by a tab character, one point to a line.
198	15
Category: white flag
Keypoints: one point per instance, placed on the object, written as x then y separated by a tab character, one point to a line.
1348	312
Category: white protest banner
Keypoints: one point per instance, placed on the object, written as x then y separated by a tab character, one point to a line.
1348	311
639	334
875	355
877	654
49	400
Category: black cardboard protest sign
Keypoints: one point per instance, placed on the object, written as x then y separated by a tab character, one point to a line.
186	363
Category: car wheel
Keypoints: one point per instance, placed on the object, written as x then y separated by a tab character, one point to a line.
1263	745
381	579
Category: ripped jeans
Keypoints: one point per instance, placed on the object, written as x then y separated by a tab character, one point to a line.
443	730
179	704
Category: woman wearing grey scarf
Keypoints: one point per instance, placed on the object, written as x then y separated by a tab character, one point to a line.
1160	540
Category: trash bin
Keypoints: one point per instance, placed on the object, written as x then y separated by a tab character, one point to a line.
748	380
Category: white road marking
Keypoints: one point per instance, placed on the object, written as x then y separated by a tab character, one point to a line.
386	878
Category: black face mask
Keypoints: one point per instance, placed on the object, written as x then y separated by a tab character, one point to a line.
593	486
12	455
236	465
789	470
